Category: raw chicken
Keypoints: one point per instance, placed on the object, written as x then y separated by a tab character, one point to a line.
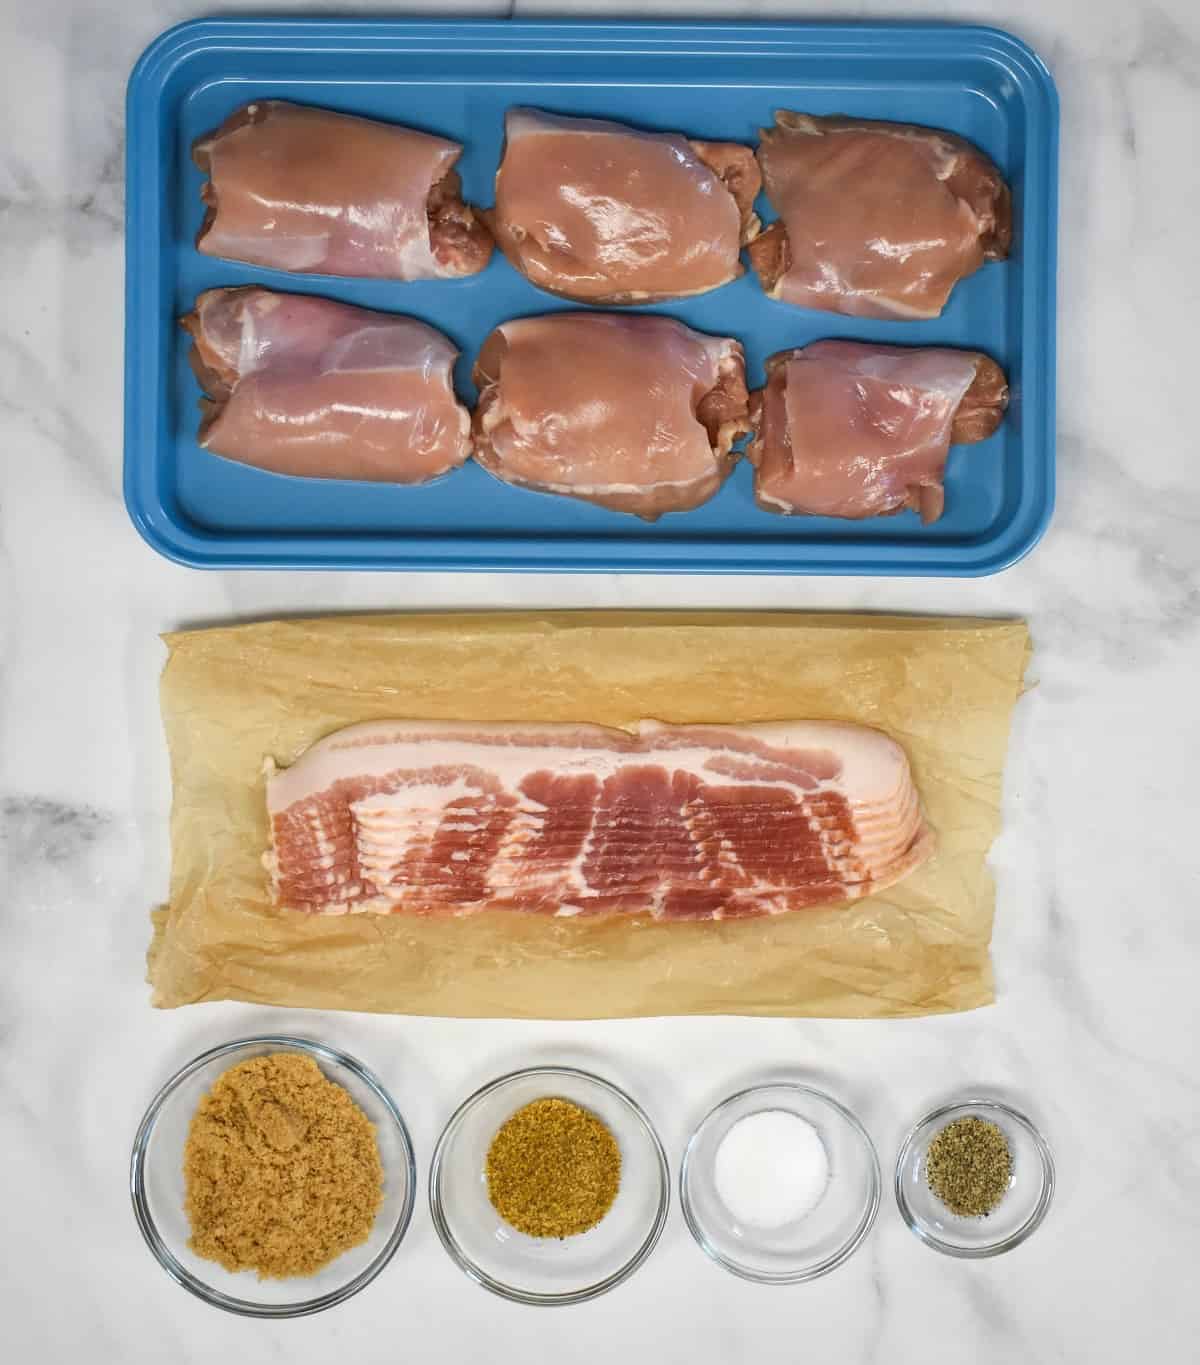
691	822
303	385
632	412
850	429
877	220
310	190
602	213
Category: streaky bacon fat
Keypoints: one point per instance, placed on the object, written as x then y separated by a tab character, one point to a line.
691	822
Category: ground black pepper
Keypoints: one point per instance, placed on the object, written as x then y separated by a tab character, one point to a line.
553	1169
968	1166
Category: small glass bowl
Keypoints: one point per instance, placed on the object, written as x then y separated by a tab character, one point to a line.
822	1239
156	1184
1030	1186
541	1270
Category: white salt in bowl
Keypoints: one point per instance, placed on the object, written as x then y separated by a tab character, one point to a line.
807	1246
156	1185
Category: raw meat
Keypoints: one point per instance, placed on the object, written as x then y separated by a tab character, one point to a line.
852	429
304	385
310	190
680	822
602	213
878	220
632	412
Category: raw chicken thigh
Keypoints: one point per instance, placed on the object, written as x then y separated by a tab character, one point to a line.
632	412
849	429
602	213
310	190
877	220
303	385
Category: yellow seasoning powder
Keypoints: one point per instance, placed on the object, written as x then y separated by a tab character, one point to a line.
553	1169
282	1169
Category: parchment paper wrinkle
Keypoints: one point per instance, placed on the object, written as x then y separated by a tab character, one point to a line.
944	688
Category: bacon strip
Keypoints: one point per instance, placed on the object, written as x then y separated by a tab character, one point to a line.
678	822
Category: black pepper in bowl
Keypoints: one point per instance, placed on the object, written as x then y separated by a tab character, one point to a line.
969	1166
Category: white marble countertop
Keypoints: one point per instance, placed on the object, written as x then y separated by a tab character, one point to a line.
1096	947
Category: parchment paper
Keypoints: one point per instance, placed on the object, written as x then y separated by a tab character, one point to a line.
944	688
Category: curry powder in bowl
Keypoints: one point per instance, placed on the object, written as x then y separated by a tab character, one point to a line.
553	1169
549	1186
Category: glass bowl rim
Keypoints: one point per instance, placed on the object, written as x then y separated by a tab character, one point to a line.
320	1052
533	1297
975	1103
836	1258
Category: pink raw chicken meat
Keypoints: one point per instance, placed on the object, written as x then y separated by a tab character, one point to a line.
603	213
691	822
877	220
852	429
631	412
304	385
310	190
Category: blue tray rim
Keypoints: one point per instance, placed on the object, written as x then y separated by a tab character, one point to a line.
578	554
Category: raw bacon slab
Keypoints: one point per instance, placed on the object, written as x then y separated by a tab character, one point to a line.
310	190
631	412
877	220
303	385
691	822
853	429
603	213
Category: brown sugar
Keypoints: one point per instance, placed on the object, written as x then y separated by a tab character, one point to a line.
282	1169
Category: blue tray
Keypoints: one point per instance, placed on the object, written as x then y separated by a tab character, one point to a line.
708	80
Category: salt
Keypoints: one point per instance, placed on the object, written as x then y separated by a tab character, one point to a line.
771	1169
